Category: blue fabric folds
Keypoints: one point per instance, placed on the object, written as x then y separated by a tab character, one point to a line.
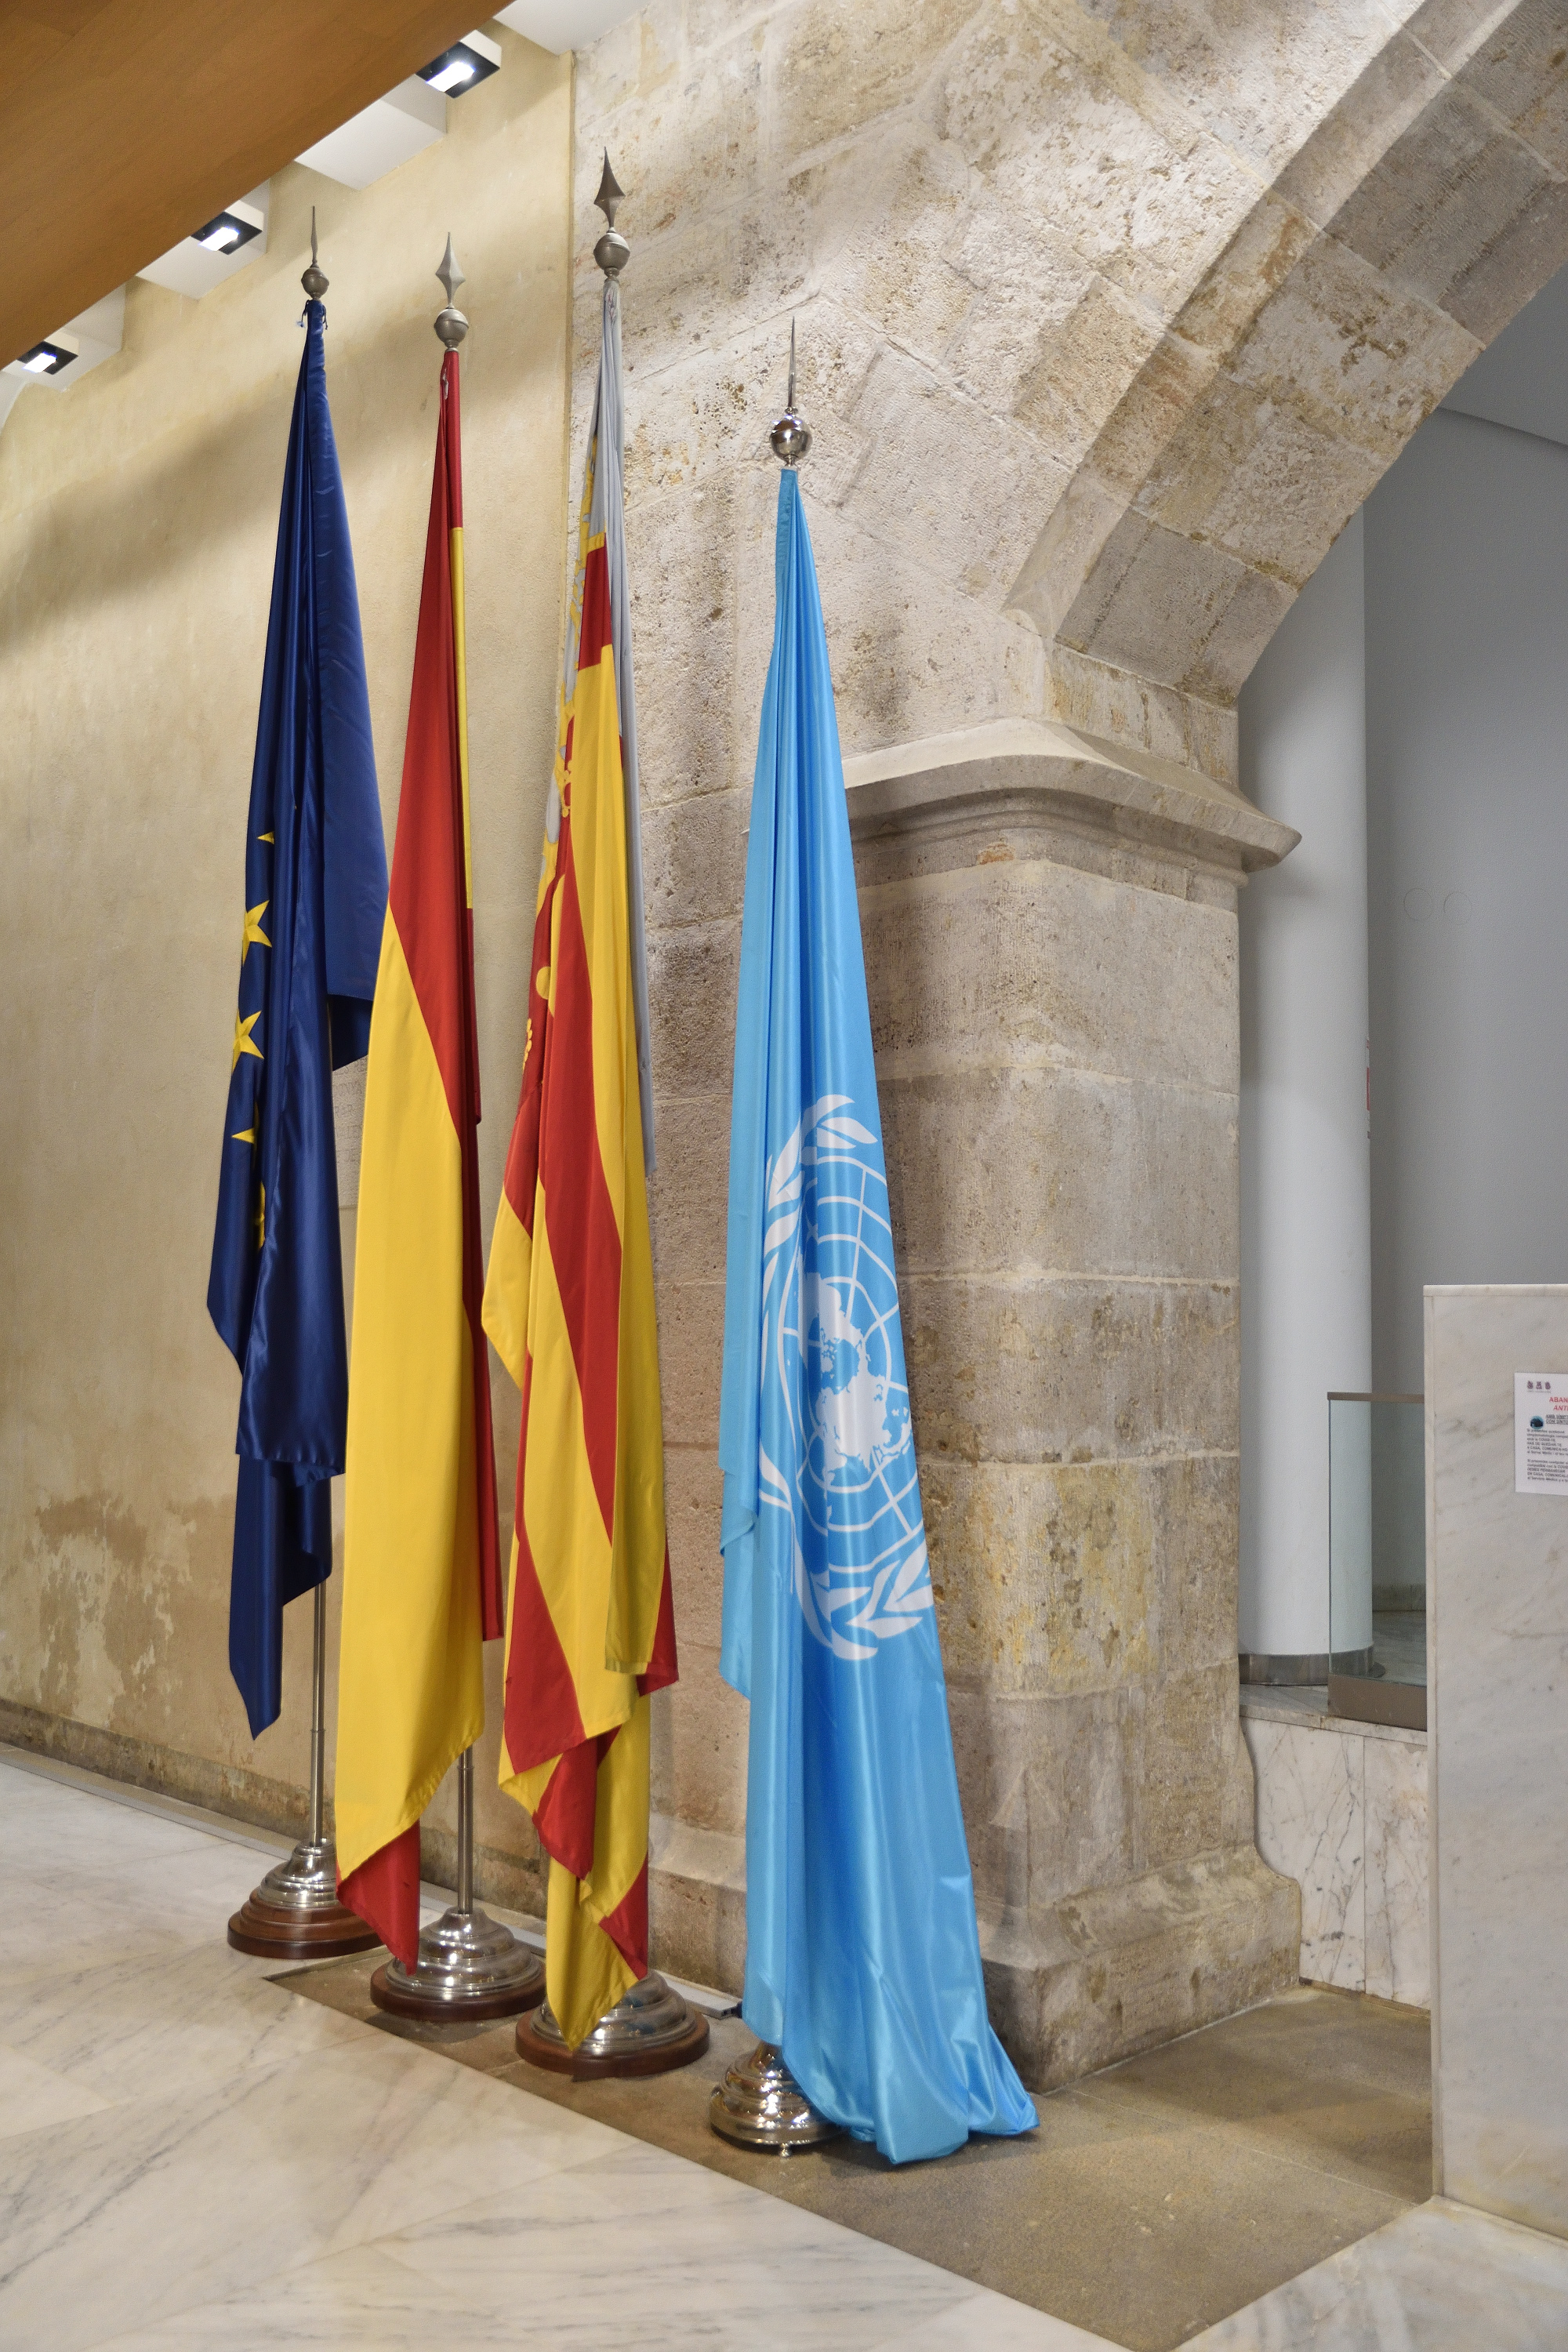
315	899
862	1950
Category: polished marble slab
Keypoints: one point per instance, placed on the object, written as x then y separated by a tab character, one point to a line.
1498	1720
1341	1809
1398	1931
193	2019
33	2097
156	2205
193	2156
1443	2278
1312	1827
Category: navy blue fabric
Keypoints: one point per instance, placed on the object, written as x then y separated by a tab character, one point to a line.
315	897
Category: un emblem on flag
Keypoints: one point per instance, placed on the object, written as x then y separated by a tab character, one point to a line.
838	1411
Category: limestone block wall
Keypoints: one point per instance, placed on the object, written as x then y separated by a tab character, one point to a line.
138	520
1110	312
1110	316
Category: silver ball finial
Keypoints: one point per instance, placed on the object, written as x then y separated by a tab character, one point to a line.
450	323
612	253
790	437
315	280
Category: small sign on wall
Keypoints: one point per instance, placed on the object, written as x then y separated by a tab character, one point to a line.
1541	1432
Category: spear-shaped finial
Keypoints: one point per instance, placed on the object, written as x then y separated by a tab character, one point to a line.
612	253
790	437
450	323
315	280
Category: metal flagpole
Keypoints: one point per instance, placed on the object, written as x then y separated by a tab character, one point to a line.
469	1966
653	2028
759	2103
294	1913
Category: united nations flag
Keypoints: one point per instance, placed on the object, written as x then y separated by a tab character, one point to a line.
862	1949
315	894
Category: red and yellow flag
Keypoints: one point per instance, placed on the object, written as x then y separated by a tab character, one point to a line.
421	1556
569	1305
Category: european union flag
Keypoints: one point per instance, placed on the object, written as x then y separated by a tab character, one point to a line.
862	1949
315	897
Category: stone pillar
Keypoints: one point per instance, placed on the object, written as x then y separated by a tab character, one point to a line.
1305	1177
1050	945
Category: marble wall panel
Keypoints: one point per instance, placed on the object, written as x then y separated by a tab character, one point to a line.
1497	1717
1311	1826
1341	1809
1398	1937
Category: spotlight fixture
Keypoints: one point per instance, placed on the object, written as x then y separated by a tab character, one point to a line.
462	67
225	232
46	359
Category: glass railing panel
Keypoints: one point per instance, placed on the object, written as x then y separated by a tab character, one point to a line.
1378	1558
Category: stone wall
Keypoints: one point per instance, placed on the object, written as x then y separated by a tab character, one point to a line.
138	517
1110	316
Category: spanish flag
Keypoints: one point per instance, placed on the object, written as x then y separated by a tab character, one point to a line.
421	1556
569	1305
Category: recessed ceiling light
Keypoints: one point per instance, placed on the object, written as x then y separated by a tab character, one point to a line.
460	68
46	359
226	233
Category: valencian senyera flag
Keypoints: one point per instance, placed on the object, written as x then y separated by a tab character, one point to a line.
862	1950
569	1305
315	896
421	1581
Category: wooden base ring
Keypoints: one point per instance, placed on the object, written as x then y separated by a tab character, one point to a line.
461	2009
329	1933
585	2067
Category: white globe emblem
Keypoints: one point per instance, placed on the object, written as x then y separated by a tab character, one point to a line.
833	1355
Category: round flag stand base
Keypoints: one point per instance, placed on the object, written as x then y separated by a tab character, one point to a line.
471	1969
295	1915
759	2104
651	2032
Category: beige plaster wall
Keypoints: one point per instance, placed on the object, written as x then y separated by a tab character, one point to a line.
137	518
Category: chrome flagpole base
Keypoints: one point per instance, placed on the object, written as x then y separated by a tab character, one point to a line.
650	2032
760	2105
471	1969
295	1915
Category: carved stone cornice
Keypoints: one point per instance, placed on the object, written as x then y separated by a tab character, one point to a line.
1013	775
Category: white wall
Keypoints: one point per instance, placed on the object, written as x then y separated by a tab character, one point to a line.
1467	664
1305	1183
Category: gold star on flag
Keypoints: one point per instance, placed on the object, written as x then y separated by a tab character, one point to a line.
254	934
243	1135
261	1220
264	836
243	1041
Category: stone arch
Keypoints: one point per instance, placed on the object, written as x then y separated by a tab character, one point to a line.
1111	313
1420	214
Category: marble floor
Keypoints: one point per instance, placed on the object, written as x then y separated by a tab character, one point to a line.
192	2156
1443	2278
1154	2198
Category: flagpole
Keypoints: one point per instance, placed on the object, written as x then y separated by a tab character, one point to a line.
294	1913
468	1967
759	2104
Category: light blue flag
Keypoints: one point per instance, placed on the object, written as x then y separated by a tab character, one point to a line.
862	1952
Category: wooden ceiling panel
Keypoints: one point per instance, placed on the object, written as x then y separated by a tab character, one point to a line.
126	123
